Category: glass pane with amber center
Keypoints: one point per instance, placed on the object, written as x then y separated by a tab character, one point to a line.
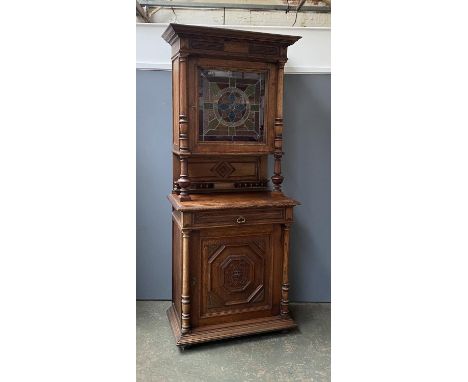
231	106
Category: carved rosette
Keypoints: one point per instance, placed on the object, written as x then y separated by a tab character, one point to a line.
237	274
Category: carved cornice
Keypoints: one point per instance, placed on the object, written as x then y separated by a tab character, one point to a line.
175	31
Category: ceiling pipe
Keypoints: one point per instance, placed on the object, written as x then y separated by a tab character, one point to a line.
300	5
252	7
141	12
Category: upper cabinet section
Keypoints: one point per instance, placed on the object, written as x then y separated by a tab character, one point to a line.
227	89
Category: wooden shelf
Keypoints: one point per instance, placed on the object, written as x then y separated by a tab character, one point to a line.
203	202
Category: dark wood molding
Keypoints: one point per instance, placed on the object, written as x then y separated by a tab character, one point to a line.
228	330
203	202
174	31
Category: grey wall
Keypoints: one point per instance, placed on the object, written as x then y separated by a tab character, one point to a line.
306	167
153	184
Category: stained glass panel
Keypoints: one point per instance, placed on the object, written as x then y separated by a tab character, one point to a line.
231	106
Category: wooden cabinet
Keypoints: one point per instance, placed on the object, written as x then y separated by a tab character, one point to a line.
230	265
230	231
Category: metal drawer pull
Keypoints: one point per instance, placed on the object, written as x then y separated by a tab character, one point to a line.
240	220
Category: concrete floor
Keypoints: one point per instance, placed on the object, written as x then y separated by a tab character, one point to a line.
300	355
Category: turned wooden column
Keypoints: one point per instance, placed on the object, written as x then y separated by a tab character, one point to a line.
185	282
183	181
277	178
285	282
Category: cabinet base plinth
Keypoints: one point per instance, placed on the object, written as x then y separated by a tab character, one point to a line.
229	330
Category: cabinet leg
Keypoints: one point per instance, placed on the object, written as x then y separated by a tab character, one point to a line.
185	282
285	283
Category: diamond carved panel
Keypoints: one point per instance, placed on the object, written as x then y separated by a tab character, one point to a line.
223	169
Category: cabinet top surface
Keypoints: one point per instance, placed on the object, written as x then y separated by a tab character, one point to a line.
183	30
203	202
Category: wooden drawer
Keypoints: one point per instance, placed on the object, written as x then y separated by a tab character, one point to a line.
239	217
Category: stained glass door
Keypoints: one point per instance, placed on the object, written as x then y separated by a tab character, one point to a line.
231	105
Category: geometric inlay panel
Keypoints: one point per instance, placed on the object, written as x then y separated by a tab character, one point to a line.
223	169
236	273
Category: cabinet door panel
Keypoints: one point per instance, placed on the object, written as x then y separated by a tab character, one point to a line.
232	106
236	269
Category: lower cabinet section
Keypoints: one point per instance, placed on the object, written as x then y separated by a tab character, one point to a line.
234	271
229	281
